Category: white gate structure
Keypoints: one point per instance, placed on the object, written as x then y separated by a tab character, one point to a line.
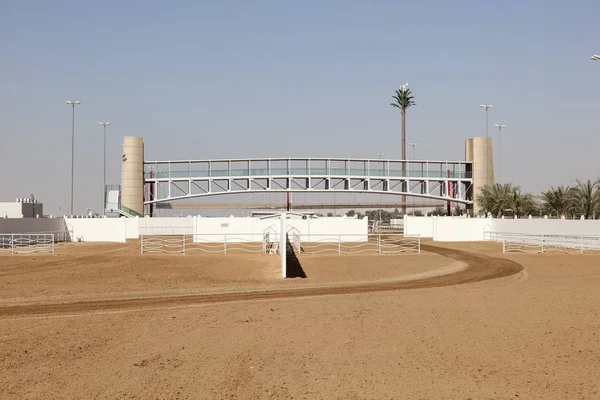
529	243
27	243
280	239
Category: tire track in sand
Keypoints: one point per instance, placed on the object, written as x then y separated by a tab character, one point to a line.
480	268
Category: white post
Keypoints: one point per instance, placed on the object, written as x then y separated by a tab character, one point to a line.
52	244
282	246
378	244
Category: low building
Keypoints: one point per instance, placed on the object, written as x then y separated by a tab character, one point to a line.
22	208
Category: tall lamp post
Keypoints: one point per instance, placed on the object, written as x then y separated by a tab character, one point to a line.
413	145
487	156
104	124
500	127
379	155
72	104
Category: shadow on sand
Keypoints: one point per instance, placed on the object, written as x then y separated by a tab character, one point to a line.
294	268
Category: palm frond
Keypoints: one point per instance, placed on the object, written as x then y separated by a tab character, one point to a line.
403	99
499	197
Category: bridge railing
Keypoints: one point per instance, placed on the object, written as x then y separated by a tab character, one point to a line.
384	173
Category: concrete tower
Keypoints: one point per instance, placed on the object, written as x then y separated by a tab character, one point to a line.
132	174
475	151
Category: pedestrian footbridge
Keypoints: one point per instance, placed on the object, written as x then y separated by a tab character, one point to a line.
171	180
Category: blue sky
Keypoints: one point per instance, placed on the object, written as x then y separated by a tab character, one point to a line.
207	79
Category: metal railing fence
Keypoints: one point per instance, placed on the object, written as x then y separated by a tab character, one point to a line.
535	243
308	244
27	243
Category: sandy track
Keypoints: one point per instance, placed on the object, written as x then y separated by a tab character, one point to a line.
479	268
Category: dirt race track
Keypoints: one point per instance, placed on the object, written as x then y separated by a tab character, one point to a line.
105	322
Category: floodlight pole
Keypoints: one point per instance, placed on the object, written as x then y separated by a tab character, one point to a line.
104	124
379	155
500	127
413	145
72	104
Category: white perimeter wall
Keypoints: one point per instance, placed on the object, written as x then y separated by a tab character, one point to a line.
252	228
98	229
206	229
170	226
453	229
132	228
459	229
31	225
418	226
546	226
449	229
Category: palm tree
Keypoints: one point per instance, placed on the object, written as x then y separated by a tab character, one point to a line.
499	197
523	203
585	198
403	99
496	198
557	200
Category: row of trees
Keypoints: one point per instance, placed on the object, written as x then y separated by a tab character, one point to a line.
387	216
581	200
500	199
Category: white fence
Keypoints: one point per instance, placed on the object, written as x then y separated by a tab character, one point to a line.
356	244
24	243
217	244
313	244
527	243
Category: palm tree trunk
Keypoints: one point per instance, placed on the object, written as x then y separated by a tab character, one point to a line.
404	186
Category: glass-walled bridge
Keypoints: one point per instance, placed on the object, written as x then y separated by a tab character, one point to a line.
166	181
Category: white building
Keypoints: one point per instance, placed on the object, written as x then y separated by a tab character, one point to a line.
22	208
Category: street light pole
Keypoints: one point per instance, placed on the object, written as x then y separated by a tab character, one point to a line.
487	156
104	124
72	104
413	145
500	127
379	155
